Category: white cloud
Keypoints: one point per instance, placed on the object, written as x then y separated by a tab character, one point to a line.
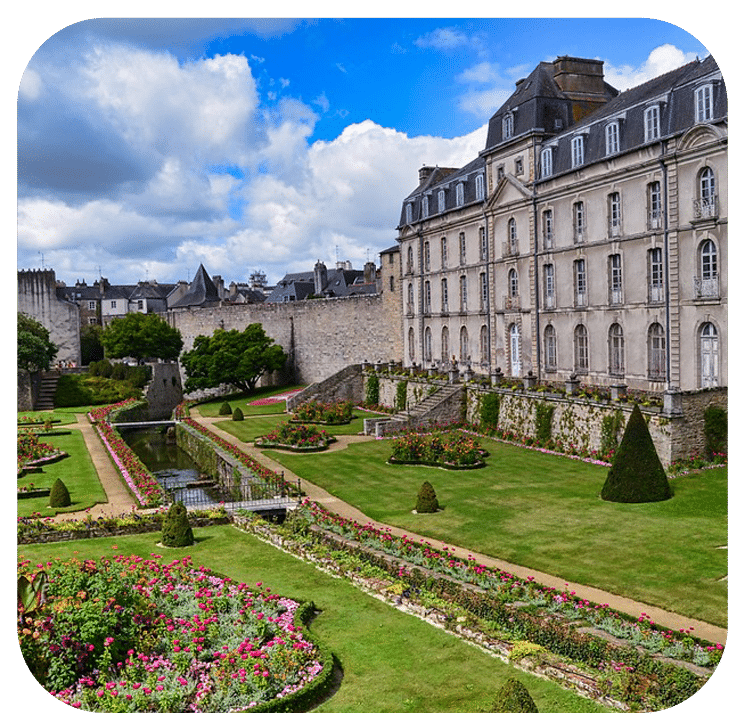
442	39
662	59
31	85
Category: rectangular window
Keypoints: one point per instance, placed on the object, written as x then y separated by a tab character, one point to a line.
615	279
443	252
483	243
546	163
479	187
612	138
484	291
463	293
579	222
652	123
615	214
113	304
548	275
576	151
445	301
579	282
704	104
91	305
462	248
547	229
655	211
655	273
441	201
425	206
460	194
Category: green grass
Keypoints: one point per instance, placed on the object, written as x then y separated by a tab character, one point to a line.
544	512
244	402
392	662
256	426
76	471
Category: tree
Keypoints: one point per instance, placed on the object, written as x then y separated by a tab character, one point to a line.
426	499
91	349
35	350
237	358
636	474
176	530
513	697
141	336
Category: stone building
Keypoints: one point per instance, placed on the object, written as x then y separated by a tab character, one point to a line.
588	239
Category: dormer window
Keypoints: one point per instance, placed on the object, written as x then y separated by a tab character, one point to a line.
576	151
409	213
546	163
652	123
612	137
508	125
479	189
441	200
704	97
460	194
425	206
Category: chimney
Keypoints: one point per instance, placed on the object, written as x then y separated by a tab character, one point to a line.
582	81
424	174
369	272
218	281
320	277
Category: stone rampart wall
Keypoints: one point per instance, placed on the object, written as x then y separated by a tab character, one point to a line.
321	336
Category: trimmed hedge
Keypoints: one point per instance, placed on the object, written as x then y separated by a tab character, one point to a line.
513	697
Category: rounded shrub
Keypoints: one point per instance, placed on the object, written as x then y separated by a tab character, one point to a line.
225	409
238	415
715	430
59	495
636	474
513	697
176	530
426	499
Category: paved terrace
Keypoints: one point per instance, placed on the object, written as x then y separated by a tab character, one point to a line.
120	500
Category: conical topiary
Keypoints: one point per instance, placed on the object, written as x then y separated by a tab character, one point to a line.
513	697
225	409
238	415
426	499
59	495
176	530
636	474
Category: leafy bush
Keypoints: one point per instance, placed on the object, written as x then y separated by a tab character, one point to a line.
225	409
372	390
489	408
59	495
513	697
401	394
426	500
543	422
715	430
176	530
238	415
84	389
102	368
636	474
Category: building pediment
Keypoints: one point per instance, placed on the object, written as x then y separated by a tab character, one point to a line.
509	190
698	136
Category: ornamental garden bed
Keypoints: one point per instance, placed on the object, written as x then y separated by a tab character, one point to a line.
328	414
295	438
129	634
446	449
26	493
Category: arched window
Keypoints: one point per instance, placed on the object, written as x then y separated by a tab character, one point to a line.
513	283
484	344
513	242
707	284
656	352
412	345
427	344
445	344
546	163
515	350
580	344
507	130
409	213
709	355
550	341
464	356
616	350
706	205
425	206
459	194
441	200
479	189
612	137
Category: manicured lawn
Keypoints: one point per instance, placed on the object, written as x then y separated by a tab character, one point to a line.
544	512
244	402
256	426
392	662
76	471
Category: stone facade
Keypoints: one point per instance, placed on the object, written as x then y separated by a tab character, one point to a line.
37	298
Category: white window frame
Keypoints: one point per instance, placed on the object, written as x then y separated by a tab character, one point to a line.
409	213
579	221
483	243
463	248
616	350
615	214
576	151
441	200
546	162
652	123
655	273
507	125
445	296
443	252
704	103
611	133
425	206
479	187
548	282
580	348
655	206
550	346
460	194
547	229
580	283
615	280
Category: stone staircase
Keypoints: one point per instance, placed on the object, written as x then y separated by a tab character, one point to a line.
443	405
47	390
345	385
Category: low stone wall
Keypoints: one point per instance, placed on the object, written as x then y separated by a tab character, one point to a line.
345	385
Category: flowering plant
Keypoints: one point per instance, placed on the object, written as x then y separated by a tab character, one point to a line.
295	436
337	412
130	634
455	449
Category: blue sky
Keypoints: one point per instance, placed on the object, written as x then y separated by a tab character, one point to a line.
147	147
